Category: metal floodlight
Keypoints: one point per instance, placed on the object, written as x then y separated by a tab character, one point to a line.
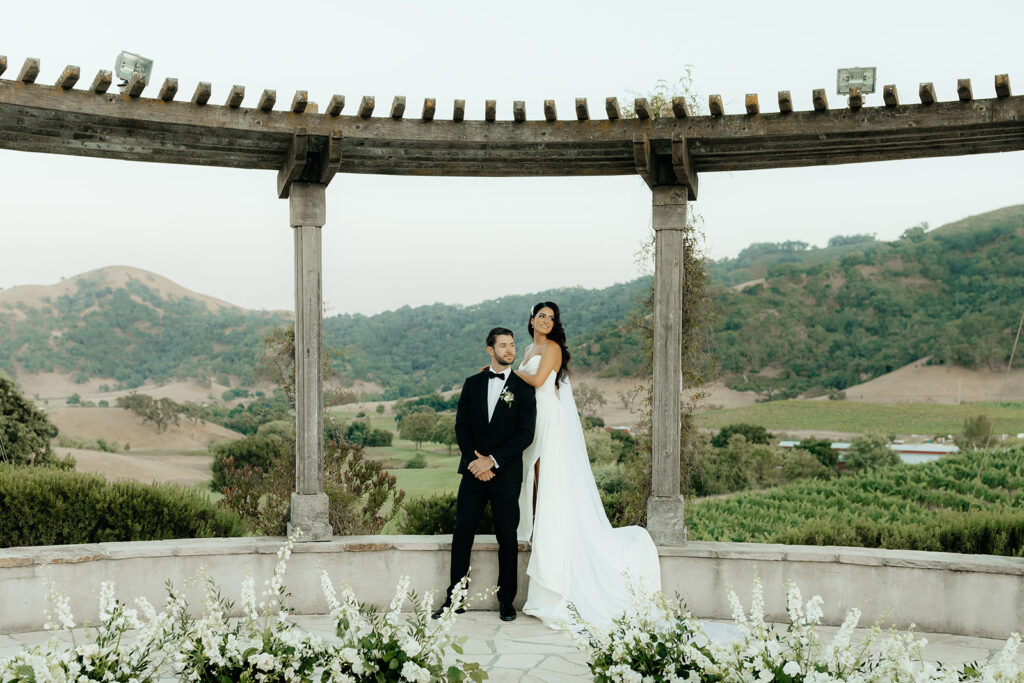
862	77
129	64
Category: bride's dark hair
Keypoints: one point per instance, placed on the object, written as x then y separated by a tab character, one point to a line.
557	335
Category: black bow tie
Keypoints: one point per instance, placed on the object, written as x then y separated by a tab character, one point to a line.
496	375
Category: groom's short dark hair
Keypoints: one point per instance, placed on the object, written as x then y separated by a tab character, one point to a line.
493	335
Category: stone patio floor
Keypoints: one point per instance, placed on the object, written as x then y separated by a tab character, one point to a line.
525	650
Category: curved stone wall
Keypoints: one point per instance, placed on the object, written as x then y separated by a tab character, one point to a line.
975	595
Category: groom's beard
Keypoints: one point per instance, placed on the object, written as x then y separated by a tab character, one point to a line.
501	362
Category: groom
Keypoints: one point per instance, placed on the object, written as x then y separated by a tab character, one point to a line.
493	425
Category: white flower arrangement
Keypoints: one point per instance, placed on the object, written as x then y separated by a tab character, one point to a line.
105	655
659	640
507	396
384	647
263	646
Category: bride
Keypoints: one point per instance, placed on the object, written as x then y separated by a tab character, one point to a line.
577	557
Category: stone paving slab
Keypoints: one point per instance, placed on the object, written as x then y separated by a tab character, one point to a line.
525	651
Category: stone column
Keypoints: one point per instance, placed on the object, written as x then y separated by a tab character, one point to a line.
308	212
665	506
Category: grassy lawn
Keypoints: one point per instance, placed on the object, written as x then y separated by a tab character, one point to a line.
427	482
848	416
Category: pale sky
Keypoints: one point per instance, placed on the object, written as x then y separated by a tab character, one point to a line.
393	241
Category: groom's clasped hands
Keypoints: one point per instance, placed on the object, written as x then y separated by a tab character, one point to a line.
482	467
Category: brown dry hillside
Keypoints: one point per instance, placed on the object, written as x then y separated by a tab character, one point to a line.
32	296
186	470
120	427
919	382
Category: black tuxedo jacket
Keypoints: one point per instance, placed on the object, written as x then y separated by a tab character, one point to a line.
506	435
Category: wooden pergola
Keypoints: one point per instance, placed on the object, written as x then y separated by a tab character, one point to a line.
307	147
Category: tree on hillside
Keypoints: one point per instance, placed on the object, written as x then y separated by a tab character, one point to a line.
444	431
847	240
977	433
751	433
25	431
870	452
588	398
418	427
162	412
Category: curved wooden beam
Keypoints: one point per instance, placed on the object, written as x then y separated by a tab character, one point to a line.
44	118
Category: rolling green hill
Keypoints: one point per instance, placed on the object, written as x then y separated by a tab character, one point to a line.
829	318
789	319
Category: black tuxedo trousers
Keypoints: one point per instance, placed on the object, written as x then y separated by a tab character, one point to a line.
504	436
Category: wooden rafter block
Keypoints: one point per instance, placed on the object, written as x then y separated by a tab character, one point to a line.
168	90
267	100
29	70
429	108
3	64
679	108
750	102
136	84
550	111
366	106
299	102
715	105
642	108
490	110
335	106
582	109
785	102
202	94
398	107
1003	85
890	95
611	105
235	97
459	110
926	91
519	111
820	99
101	82
68	77
855	100
964	90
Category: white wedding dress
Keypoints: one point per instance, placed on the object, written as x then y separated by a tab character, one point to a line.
577	557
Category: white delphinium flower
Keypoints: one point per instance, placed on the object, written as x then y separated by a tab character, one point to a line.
791	668
330	595
249	597
60	616
107	603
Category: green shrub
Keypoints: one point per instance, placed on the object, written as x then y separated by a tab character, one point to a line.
25	431
752	433
611	485
255	451
822	450
379	437
979	533
800	464
600	447
436	515
48	506
416	462
870	452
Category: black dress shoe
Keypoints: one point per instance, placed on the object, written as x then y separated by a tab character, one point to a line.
506	612
439	612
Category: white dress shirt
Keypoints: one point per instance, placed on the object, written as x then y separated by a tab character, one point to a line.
494	388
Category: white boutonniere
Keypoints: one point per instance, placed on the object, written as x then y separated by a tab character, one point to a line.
506	396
